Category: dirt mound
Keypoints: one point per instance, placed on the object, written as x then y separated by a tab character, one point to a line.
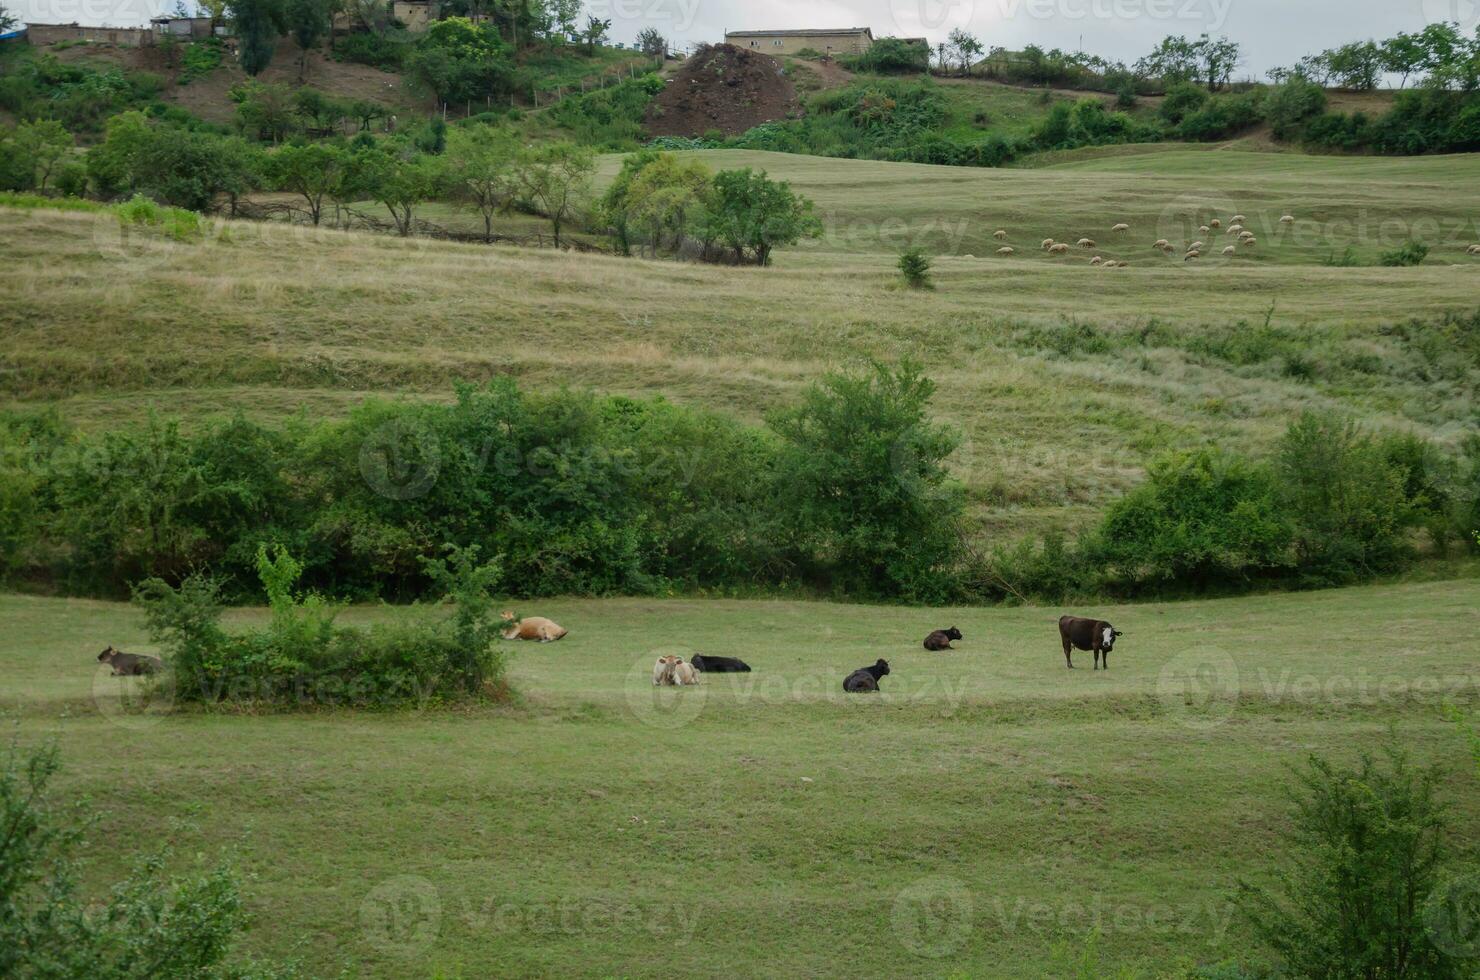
725	88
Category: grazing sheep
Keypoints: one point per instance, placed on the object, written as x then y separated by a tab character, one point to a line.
1006	250
1473	250
1122	264
1215	223
1235	229
1167	248
1249	242
1195	247
1096	261
1048	243
1121	227
684	674
1230	250
1059	249
1000	235
1288	219
1204	230
1086	243
1191	255
1162	243
1238	219
968	255
866	679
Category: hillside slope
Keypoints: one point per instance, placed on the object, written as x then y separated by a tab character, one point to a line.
1064	377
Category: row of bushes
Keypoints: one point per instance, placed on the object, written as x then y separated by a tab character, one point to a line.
1334	505
846	492
577	493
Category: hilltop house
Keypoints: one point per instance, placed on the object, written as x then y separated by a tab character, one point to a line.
843	40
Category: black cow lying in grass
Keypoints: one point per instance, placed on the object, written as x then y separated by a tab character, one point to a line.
1088	634
941	639
130	664
719	665
865	679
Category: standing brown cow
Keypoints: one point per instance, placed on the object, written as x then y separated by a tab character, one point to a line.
1087	634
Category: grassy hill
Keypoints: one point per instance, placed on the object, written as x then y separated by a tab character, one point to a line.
991	814
1065	378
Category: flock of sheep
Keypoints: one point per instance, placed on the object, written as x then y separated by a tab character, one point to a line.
1236	227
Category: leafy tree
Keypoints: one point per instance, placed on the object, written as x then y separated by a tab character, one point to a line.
460	61
867	468
1219	57
399	182
1346	501
615	208
1175	59
1182	100
190	169
265	110
1363	870
564	15
1357	66
595	33
113	165
1403	54
752	212
307	21
1291	104
44	143
7	20
480	162
556	177
313	171
667	199
964	48
652	43
259	23
893	56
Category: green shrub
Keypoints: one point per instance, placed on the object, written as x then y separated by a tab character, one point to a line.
1345	500
200	58
1181	100
1290	105
1366	851
1408	254
146	925
303	657
866	470
1201	519
914	265
380	49
891	56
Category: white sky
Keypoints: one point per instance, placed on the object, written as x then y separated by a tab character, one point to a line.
1273	32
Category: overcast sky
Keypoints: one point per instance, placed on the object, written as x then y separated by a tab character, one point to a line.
1273	32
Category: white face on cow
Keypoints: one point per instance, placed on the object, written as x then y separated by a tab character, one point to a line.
1107	639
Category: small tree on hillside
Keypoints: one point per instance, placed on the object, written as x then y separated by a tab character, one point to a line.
752	212
651	43
313	171
595	33
307	21
914	265
480	164
557	178
44	143
1403	54
400	183
964	48
259	23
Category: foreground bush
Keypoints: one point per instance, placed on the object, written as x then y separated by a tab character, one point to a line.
147	926
1363	894
303	655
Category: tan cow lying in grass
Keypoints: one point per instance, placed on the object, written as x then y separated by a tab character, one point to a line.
532	628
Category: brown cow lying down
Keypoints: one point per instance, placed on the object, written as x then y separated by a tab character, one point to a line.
532	628
941	639
125	664
1088	634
